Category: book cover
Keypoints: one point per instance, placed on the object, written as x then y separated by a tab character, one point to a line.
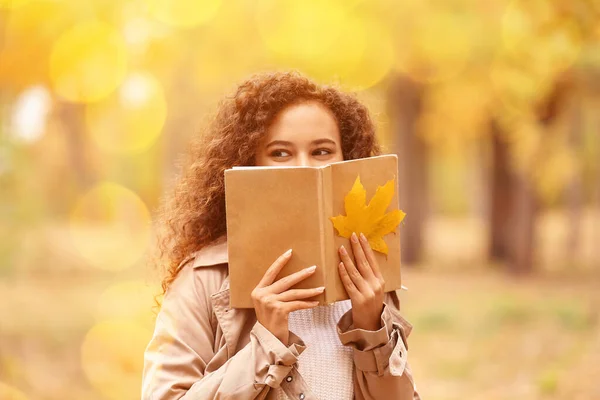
273	209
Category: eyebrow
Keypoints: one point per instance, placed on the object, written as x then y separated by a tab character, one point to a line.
324	141
285	143
279	143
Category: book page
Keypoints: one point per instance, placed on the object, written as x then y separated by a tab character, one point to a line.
373	172
270	210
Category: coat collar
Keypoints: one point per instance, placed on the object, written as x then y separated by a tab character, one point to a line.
212	254
230	320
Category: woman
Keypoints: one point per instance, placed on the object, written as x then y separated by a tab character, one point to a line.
287	347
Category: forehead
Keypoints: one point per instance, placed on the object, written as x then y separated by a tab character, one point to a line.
304	121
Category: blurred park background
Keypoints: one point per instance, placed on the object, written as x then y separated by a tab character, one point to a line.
492	107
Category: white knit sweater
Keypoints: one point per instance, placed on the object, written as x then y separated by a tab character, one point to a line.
326	365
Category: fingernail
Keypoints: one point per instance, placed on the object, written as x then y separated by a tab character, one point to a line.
288	253
321	289
363	237
311	269
354	238
343	250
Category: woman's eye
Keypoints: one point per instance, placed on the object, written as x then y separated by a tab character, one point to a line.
322	152
280	153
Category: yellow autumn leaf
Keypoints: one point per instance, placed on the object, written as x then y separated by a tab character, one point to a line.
372	219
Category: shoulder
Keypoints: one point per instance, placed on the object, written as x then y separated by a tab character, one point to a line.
213	254
203	272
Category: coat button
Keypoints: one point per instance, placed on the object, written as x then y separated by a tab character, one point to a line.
289	379
301	396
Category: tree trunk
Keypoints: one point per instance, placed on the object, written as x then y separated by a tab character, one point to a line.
574	192
514	201
522	226
501	200
596	197
596	232
512	212
404	103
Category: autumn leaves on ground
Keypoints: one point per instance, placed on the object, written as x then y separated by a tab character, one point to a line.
74	332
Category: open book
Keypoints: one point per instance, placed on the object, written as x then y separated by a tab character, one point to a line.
273	209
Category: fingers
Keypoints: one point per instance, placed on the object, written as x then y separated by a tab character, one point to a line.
362	264
370	256
348	284
300	305
297	294
269	276
351	270
287	282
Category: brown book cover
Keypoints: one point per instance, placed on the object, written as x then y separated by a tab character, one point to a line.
273	209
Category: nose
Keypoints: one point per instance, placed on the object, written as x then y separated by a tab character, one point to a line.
304	160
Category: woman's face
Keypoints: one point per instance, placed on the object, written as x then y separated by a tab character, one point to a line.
303	134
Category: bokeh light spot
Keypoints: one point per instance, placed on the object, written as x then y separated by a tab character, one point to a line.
220	64
129	300
341	63
530	25
183	13
88	62
30	114
112	357
435	49
361	56
300	29
376	60
110	227
131	120
224	59
522	21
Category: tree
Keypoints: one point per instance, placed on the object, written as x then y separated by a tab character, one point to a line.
405	107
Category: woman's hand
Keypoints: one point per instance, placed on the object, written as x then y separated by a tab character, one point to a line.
363	282
273	301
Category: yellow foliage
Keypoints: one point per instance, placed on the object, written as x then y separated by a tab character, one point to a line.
183	13
130	120
372	219
88	62
112	357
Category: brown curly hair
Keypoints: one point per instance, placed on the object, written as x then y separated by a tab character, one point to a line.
193	215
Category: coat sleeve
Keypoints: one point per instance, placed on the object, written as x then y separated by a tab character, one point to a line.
380	357
183	344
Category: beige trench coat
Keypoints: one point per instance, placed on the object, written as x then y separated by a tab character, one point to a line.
202	349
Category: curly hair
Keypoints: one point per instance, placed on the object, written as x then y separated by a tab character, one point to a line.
193	214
